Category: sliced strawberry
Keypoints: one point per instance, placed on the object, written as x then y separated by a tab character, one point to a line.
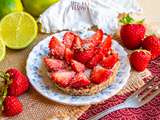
100	74
108	42
53	64
62	78
77	66
106	45
56	48
84	56
80	80
68	38
95	60
77	43
109	61
53	42
102	51
68	55
96	38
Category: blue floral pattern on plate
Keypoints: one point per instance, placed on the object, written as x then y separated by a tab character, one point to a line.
46	88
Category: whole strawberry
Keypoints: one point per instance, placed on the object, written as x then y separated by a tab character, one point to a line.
132	33
140	59
11	106
17	82
152	43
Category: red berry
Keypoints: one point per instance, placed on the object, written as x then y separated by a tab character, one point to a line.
140	59
53	64
100	74
53	43
100	52
56	48
152	44
68	55
20	82
62	78
68	39
80	80
84	56
132	35
96	38
77	43
77	66
95	60
12	106
109	61
107	43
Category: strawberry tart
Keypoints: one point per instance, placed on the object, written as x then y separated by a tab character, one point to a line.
82	67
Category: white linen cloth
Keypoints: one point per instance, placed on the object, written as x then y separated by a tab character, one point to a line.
80	15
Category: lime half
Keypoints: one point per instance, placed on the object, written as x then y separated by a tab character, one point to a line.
18	30
2	50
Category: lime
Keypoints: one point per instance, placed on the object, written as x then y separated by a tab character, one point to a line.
2	50
36	7
8	6
18	30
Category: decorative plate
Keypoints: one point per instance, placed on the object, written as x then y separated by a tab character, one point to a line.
46	88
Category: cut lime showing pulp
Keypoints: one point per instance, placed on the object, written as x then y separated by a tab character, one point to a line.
2	50
18	30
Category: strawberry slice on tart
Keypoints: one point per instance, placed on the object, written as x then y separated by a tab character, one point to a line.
80	80
68	39
84	56
88	47
82	66
68	55
62	78
53	64
96	38
77	43
101	51
109	61
77	66
57	49
100	74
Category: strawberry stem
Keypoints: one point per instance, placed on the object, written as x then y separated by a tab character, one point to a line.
127	19
4	89
2	75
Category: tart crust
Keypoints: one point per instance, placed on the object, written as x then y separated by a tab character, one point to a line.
92	88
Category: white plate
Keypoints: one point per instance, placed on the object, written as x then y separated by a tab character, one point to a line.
46	88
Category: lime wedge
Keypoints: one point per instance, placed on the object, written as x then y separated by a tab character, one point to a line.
18	30
2	50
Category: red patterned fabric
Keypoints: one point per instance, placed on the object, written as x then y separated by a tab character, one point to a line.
150	111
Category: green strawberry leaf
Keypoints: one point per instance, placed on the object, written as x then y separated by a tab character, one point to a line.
126	20
141	21
1	101
129	20
4	86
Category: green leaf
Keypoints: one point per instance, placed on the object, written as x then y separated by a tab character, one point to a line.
141	21
126	20
1	101
4	87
